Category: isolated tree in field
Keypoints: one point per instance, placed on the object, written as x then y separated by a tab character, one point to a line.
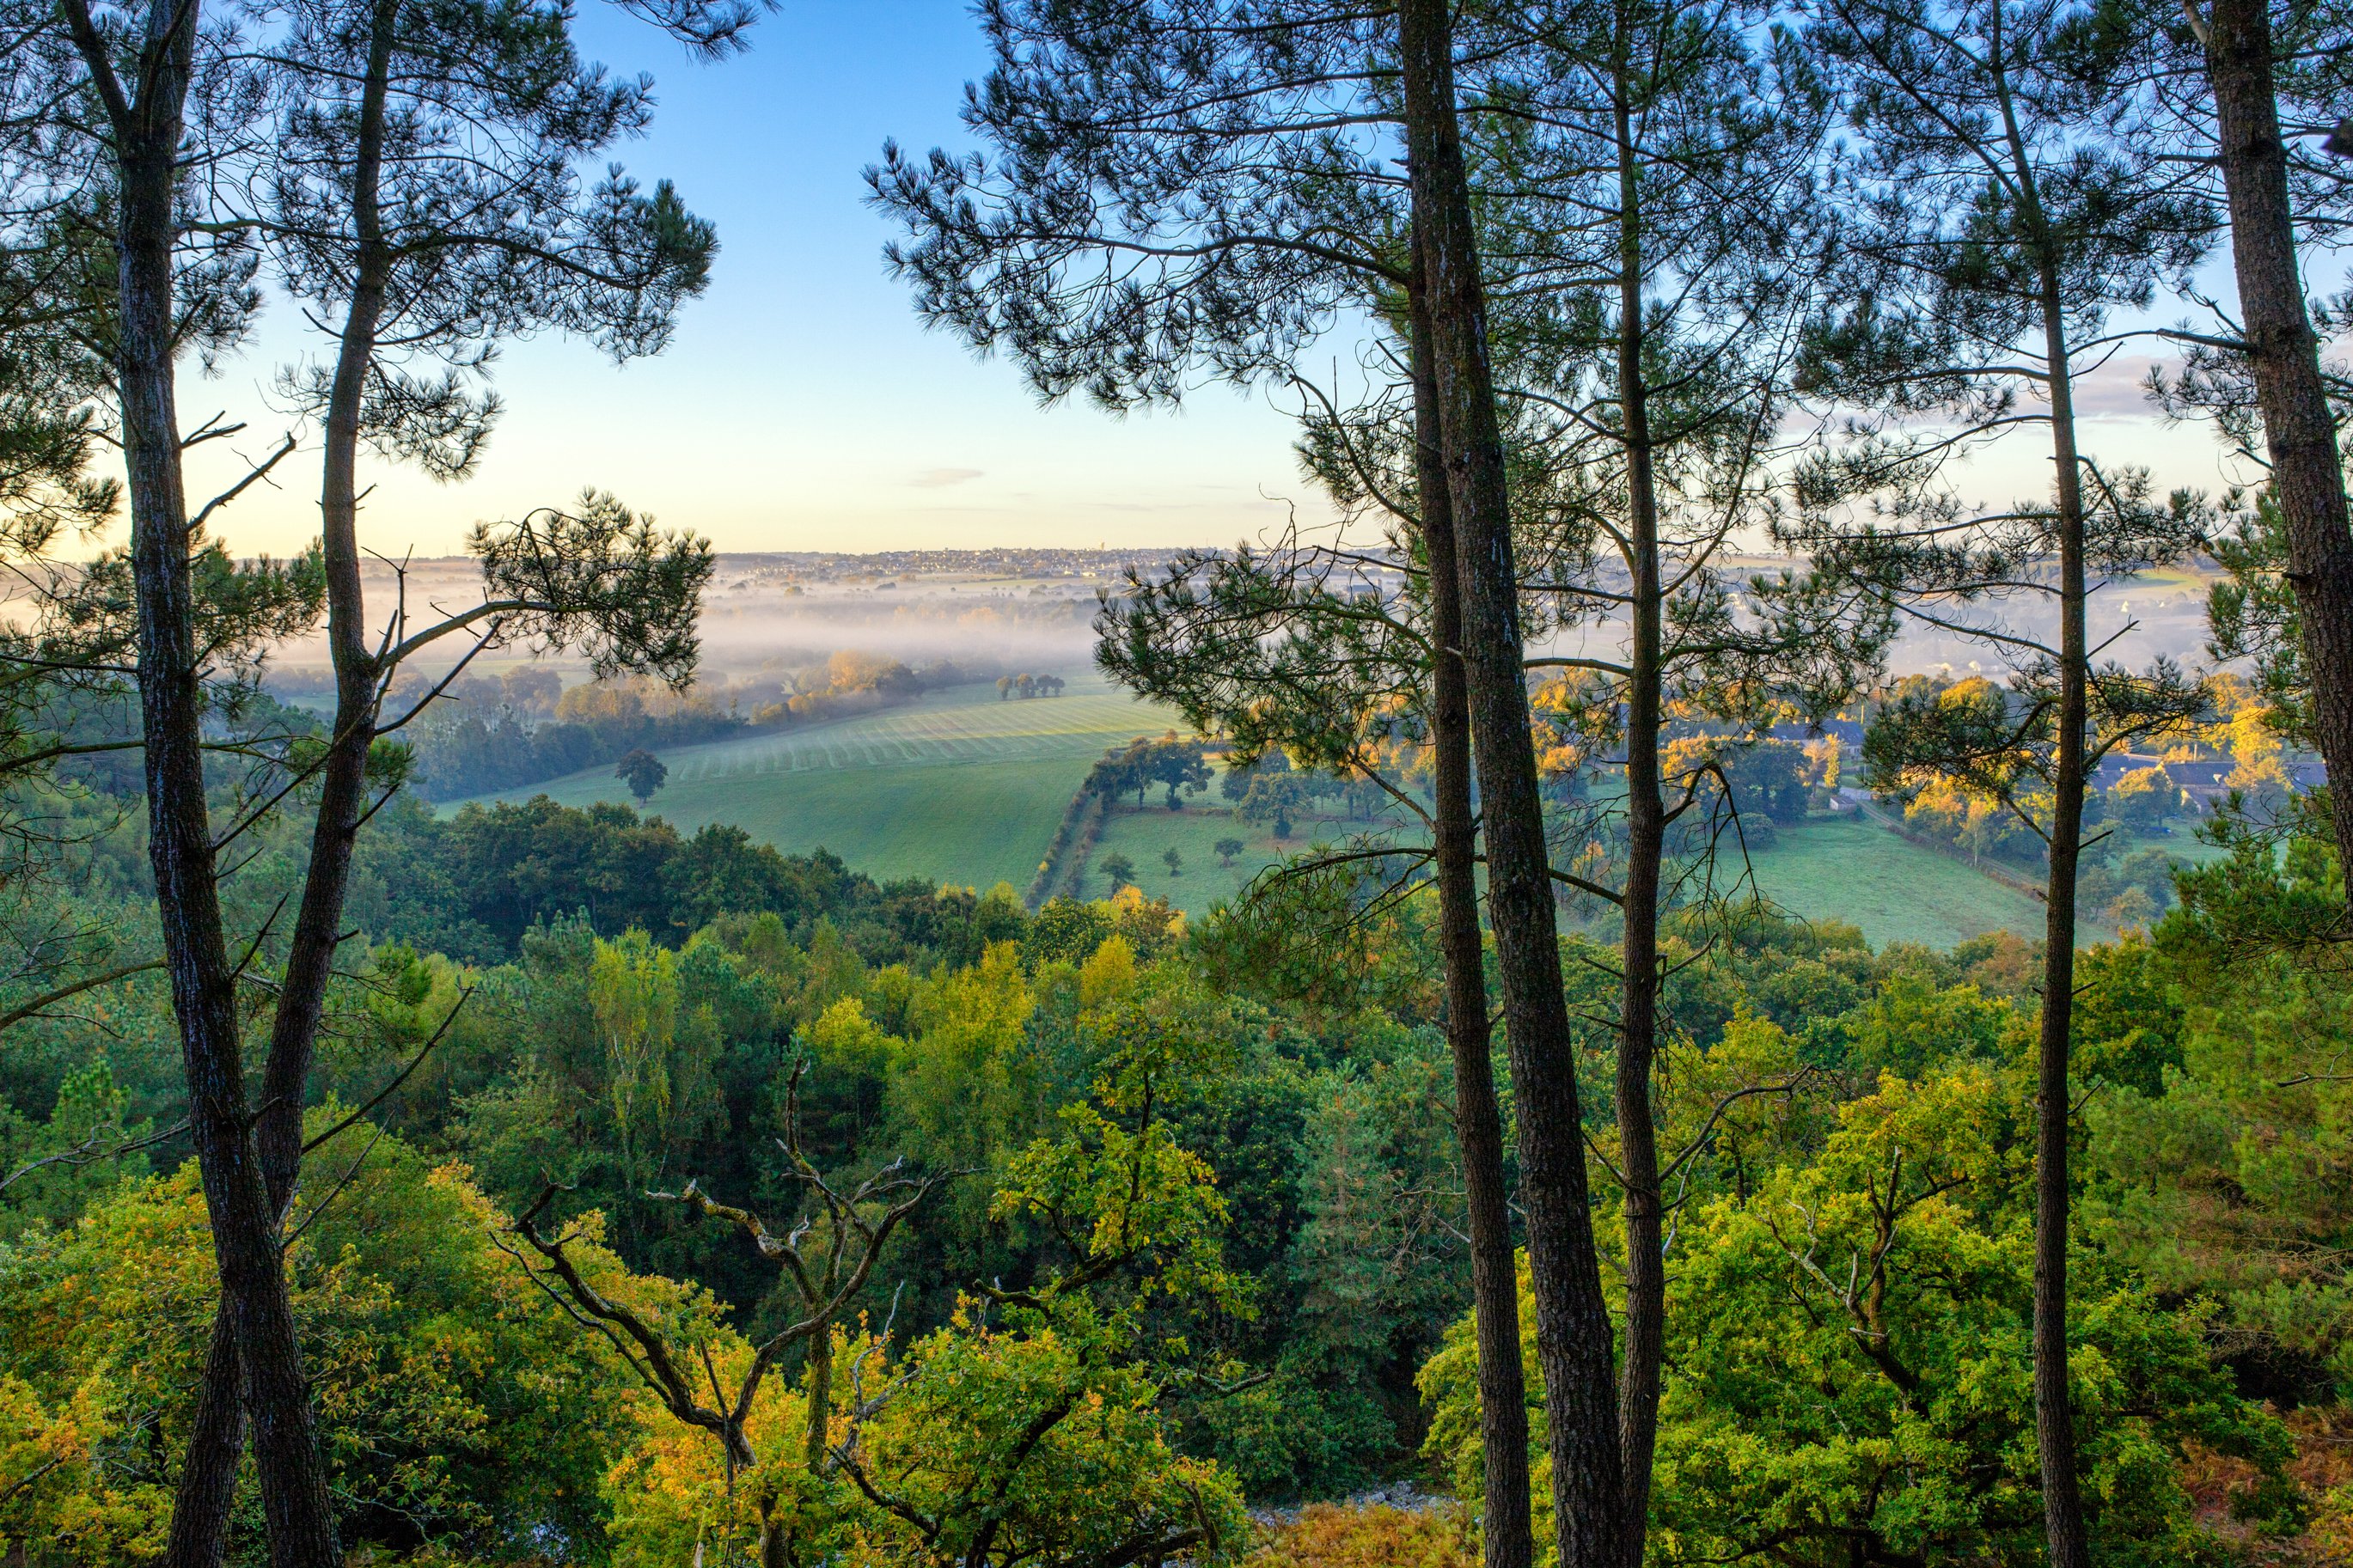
1275	798
1004	687
2143	798
2270	96
1178	766
1173	859
1227	849
643	771
2014	201
1117	870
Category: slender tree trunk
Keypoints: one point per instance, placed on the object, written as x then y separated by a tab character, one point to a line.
317	926
204	982
1573	1335
2055	1416
207	1474
1507	1535
206	1490
820	1397
1646	830
2283	353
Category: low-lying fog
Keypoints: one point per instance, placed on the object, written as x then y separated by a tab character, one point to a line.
768	615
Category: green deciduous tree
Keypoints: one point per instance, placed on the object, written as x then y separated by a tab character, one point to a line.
826	1257
413	1329
643	771
1885	1271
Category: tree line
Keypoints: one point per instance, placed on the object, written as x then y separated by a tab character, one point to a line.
472	739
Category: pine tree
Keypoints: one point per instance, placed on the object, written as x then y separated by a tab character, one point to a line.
2006	203
361	139
1170	190
1667	234
2283	195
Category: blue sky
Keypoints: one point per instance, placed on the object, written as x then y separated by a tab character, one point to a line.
802	406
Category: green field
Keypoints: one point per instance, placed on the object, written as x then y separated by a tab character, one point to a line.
1853	871
1894	889
1144	836
960	786
966	788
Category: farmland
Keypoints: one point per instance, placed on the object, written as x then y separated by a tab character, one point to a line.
1894	889
1830	870
1144	836
966	788
960	786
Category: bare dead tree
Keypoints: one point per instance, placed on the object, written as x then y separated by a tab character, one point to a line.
828	1255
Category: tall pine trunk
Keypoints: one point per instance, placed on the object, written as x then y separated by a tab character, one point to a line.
148	132
2283	353
1573	1333
253	1348
2054	1415
207	1474
1507	1535
1646	833
343	794
206	1490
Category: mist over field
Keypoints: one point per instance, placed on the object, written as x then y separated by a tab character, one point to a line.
1010	610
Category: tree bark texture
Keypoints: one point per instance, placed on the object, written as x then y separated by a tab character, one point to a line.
317	934
820	1397
2283	353
207	1489
147	120
1644	1346
1573	1331
2054	1415
1507	1536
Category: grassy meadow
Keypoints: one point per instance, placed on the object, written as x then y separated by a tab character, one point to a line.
960	786
1144	836
964	787
1843	870
1894	889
